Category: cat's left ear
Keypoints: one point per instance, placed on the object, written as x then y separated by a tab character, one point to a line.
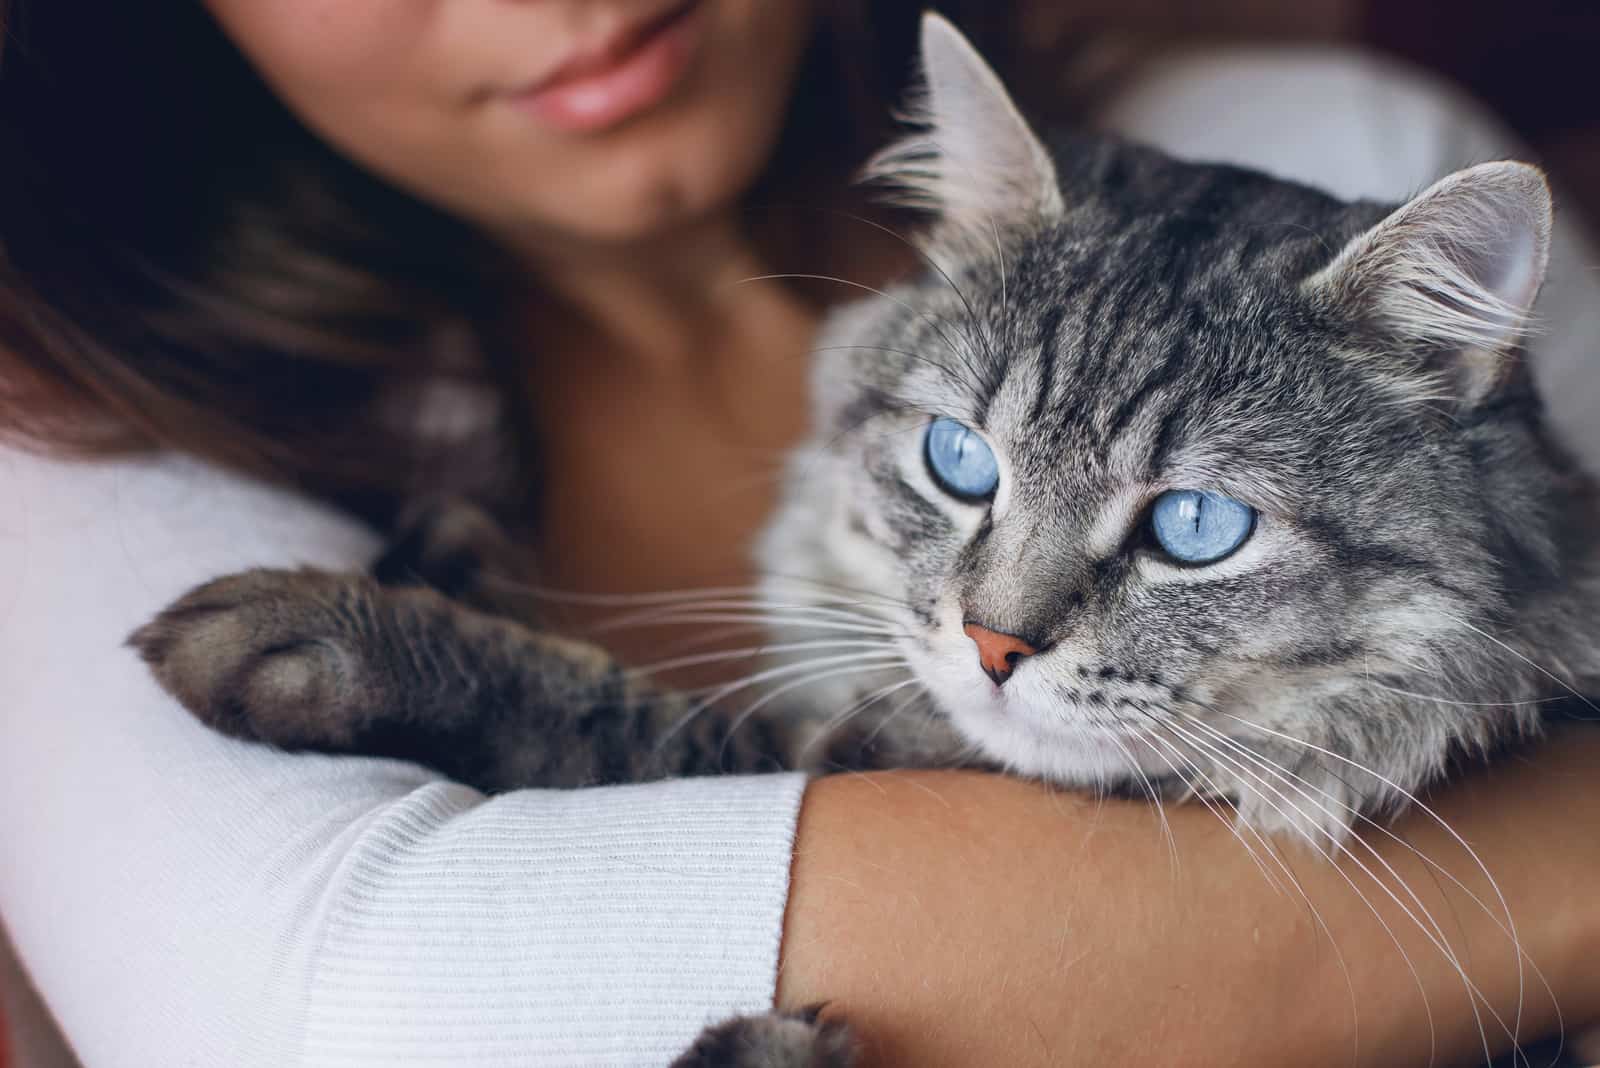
974	163
1450	277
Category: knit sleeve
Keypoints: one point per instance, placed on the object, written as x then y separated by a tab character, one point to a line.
180	897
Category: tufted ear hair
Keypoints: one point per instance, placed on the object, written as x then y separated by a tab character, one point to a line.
973	162
1451	275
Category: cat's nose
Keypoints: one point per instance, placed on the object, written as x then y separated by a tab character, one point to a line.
999	654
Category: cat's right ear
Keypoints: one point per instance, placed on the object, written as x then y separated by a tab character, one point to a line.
973	163
1448	279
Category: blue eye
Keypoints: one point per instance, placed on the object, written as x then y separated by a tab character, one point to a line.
961	462
1197	527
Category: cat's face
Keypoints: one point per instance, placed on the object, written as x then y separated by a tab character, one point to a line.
1150	464
1171	483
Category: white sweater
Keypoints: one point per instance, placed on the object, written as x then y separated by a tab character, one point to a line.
183	898
180	898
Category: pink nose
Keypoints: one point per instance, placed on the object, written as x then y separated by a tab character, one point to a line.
999	654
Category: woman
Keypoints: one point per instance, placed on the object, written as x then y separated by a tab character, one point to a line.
336	247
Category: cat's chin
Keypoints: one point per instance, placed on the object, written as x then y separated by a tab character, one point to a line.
1087	758
1033	733
1316	810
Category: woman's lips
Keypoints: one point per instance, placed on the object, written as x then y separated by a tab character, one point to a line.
630	76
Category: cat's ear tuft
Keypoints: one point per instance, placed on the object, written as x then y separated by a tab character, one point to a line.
973	162
1452	275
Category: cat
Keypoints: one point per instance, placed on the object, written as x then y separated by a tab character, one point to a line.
1159	476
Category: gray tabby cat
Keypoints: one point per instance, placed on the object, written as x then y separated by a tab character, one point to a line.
1161	474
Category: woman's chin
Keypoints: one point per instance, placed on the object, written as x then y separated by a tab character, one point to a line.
621	209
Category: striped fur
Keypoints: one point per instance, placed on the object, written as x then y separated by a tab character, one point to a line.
1422	582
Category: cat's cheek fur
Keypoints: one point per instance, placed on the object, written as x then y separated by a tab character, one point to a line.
1021	728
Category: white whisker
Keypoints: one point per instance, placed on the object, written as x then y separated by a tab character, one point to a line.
835	722
1212	806
1150	792
933	321
750	652
1546	672
1506	927
1452	703
863	660
776	610
920	694
1272	796
1411	798
767	620
1431	930
808	680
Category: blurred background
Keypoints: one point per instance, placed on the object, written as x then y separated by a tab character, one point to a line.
1535	63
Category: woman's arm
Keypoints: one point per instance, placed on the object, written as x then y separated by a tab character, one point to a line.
962	919
169	889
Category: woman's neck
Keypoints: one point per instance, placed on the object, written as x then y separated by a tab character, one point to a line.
671	302
666	392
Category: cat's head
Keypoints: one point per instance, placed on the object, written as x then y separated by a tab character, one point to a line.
1163	458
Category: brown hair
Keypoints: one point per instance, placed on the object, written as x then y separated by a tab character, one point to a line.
183	265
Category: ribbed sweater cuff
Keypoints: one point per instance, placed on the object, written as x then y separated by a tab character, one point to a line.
603	926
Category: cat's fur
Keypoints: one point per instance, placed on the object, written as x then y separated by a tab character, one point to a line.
1421	581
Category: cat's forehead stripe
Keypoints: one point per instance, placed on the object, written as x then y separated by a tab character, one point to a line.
1049	327
1106	328
1166	371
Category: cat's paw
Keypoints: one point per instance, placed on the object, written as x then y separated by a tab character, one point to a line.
263	654
774	1040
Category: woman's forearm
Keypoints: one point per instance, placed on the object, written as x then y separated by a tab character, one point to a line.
963	919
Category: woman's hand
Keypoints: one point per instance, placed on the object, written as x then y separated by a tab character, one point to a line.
962	919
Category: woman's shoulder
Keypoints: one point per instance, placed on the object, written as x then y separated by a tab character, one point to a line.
164	515
90	550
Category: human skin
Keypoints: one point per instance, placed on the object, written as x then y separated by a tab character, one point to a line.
648	347
962	919
956	918
426	94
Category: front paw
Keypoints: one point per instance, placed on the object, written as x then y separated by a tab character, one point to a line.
774	1040
266	655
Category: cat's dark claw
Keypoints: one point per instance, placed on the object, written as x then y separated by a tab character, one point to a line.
774	1040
